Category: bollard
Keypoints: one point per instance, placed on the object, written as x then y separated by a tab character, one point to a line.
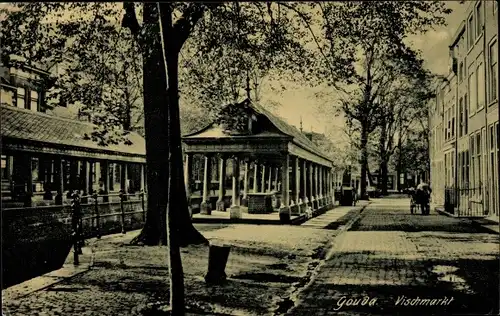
97	216
122	198
217	260
75	222
143	207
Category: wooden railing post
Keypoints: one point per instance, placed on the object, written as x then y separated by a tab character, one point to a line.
97	215
76	222
122	198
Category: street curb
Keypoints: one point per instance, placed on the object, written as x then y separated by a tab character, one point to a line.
44	281
26	288
331	249
255	221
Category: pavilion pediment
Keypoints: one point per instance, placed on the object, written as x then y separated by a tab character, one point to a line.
238	120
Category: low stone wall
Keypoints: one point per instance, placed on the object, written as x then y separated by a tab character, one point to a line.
38	240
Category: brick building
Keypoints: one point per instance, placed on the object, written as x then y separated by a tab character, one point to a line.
463	121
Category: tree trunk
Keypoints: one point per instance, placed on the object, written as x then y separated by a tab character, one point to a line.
180	230
364	161
384	174
156	129
383	157
399	166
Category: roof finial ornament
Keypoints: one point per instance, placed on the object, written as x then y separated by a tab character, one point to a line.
301	130
248	89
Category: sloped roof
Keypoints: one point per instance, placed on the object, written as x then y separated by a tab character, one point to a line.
40	127
298	137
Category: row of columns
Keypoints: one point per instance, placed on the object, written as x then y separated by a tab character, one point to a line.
52	173
311	184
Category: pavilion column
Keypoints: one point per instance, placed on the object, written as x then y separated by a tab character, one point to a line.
60	180
244	200
123	177
220	206
255	187
207	176
310	184
321	183
48	183
329	187
316	181
86	176
235	211
105	179
143	178
28	202
263	179
188	167
304	184
270	179
295	207
276	174
296	192
285	187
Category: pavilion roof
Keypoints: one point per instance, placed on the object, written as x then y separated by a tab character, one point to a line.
297	136
53	131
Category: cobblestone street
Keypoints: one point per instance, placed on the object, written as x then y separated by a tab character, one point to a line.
390	256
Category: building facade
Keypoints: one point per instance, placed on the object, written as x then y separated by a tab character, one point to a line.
44	155
463	118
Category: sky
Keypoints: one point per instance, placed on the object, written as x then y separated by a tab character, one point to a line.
299	103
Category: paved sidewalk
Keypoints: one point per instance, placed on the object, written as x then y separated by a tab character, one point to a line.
390	255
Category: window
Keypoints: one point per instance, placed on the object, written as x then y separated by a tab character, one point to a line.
467	167
479	20
453	120
472	92
461	117
6	96
21	98
492	65
480	82
461	72
478	159
466	115
34	100
472	162
35	169
470	32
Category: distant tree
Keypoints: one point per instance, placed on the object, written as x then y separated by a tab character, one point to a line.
401	105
